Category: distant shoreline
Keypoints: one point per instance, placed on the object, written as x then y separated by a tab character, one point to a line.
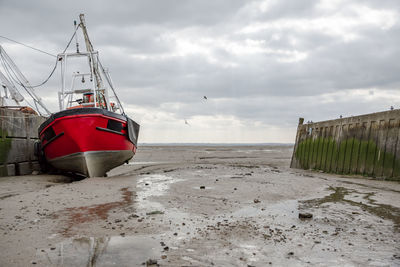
215	144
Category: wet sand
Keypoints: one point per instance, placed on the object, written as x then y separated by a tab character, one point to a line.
200	206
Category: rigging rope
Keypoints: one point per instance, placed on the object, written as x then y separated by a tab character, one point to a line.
31	47
112	87
55	65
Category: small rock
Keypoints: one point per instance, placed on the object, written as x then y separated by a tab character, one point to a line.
257	200
305	215
291	253
117	221
202	187
163	257
151	262
175	234
122	234
166	248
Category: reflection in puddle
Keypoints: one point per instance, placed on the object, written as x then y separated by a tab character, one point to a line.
104	251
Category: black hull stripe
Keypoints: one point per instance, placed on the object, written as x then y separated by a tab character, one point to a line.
109	130
52	139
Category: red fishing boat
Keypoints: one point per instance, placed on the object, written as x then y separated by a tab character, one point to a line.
92	134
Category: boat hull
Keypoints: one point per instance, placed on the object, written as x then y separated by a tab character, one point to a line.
91	163
88	141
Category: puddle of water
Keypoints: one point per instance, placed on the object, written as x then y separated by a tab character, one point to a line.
152	186
103	251
282	211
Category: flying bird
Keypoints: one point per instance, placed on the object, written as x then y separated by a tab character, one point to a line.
205	97
186	122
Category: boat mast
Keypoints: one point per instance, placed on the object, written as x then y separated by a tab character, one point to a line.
93	62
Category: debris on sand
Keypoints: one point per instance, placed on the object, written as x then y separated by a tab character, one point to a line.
305	215
151	262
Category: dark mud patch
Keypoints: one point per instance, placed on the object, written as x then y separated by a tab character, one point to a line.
384	211
244	166
7	196
79	215
67	178
370	186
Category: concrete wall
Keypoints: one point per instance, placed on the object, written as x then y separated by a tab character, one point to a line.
368	145
18	132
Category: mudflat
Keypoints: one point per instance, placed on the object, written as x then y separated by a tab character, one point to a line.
200	206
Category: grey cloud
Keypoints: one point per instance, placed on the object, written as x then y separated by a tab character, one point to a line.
136	42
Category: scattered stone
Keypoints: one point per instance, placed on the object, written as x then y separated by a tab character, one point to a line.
305	215
117	221
132	216
202	187
163	257
166	248
175	234
52	248
256	200
291	253
122	234
151	262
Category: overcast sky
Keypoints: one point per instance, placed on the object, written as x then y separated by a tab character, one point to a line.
261	64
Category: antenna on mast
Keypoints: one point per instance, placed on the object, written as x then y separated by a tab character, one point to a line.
76	38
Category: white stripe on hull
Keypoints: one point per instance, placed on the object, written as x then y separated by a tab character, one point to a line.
92	163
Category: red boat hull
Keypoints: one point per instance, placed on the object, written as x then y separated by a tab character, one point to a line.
89	141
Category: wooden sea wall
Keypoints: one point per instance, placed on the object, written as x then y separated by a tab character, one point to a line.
367	145
18	133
